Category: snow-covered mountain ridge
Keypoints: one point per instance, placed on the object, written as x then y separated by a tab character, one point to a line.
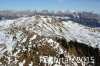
27	31
70	30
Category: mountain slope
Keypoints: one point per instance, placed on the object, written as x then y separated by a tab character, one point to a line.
24	40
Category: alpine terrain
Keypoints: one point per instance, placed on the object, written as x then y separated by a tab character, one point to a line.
37	40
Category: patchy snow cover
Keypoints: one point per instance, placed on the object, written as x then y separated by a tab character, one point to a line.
8	41
73	31
33	37
69	30
22	63
31	64
82	34
24	40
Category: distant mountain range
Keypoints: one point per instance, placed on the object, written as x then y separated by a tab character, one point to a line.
85	18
